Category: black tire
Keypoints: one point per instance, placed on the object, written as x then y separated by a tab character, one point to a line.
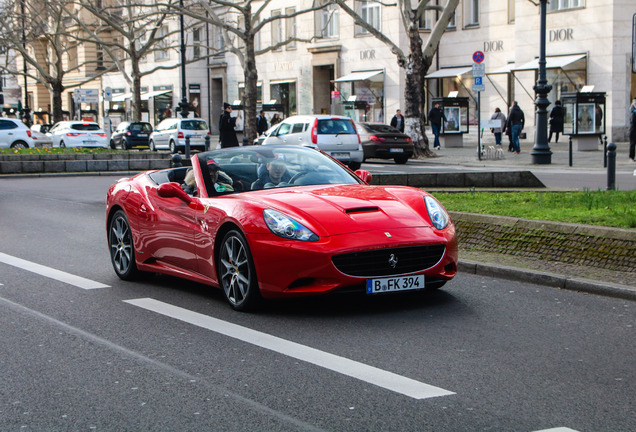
19	145
62	144
122	250
236	273
152	147
401	160
112	145
354	165
173	147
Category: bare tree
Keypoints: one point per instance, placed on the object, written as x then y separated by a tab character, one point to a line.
417	60
128	31
49	49
240	22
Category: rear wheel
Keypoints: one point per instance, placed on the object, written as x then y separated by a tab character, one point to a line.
112	145
19	145
401	160
152	146
62	144
173	147
122	251
237	276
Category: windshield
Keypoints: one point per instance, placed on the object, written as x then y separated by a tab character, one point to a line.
252	168
194	125
381	128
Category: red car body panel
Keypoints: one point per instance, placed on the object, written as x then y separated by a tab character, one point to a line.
180	237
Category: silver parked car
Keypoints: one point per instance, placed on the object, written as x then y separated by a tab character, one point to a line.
335	135
15	134
170	134
39	133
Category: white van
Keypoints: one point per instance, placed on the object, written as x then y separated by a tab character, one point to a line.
335	135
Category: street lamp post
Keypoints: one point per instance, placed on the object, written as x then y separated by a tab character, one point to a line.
184	105
541	153
26	111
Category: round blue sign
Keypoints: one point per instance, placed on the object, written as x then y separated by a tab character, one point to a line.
478	57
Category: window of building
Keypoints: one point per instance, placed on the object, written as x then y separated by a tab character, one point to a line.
327	21
99	57
290	28
557	5
218	42
196	42
370	12
72	57
471	13
429	18
161	52
511	11
277	29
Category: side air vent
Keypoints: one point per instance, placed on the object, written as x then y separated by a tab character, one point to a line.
362	210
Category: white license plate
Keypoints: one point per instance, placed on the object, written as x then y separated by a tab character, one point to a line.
396	150
90	142
142	135
340	155
403	283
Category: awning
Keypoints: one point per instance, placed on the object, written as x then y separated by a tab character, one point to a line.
282	81
554	62
121	97
146	96
449	72
502	70
361	76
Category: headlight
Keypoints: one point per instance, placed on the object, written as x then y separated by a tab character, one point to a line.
284	226
436	212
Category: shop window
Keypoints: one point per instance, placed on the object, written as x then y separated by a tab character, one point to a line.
285	94
558	5
370	12
326	21
471	13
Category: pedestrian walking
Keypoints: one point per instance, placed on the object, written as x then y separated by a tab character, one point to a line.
398	121
435	117
227	134
498	115
261	123
515	123
276	119
556	121
632	131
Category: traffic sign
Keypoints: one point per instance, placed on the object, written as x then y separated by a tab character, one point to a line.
478	56
479	69
108	94
479	85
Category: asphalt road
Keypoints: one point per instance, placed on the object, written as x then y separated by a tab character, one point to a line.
163	354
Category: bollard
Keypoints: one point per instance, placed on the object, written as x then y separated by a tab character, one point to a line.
611	166
570	150
187	147
605	152
207	142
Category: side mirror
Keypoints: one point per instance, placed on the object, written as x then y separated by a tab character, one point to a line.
364	175
173	190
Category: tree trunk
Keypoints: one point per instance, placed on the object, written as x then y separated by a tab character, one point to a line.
251	81
57	89
136	93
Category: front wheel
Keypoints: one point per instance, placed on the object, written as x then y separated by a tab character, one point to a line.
19	145
173	147
152	146
113	146
236	272
122	251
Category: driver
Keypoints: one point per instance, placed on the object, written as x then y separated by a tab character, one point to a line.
275	174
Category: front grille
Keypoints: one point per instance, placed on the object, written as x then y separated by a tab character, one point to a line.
390	261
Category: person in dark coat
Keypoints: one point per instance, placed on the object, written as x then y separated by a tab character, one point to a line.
632	131
227	134
556	121
516	121
435	116
261	123
398	121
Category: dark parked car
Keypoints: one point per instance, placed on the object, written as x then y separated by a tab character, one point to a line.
384	142
131	134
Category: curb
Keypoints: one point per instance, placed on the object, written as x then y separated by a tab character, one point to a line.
548	279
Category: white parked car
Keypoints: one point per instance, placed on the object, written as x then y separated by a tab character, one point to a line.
39	135
335	135
171	134
78	133
15	134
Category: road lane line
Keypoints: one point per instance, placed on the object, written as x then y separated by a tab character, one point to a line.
361	371
51	273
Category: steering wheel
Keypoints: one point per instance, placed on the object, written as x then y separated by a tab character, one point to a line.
297	176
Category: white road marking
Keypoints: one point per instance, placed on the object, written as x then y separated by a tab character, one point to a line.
559	429
361	371
51	273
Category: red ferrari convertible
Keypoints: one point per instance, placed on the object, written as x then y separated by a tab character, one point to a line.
278	221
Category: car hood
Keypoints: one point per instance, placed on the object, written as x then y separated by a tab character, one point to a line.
334	210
